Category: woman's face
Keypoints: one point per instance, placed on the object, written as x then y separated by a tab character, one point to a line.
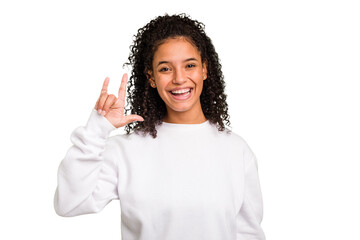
179	74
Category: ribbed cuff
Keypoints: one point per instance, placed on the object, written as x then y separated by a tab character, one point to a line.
99	125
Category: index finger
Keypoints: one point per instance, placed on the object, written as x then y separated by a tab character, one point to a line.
105	85
122	89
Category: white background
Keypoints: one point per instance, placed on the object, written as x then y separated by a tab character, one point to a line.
292	74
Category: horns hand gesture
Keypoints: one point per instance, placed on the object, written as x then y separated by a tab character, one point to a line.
112	108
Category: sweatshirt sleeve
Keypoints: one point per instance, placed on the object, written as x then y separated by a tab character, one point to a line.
250	215
87	181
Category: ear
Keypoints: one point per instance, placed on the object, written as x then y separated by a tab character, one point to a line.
151	78
204	69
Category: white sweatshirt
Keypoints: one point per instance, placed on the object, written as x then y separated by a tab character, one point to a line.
191	182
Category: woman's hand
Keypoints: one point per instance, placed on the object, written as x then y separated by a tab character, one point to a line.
112	108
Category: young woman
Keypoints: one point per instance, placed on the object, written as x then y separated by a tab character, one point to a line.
179	173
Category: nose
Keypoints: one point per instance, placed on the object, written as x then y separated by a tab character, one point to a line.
179	77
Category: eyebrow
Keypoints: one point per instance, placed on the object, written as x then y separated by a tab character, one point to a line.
186	60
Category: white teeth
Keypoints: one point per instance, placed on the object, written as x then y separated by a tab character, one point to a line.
181	91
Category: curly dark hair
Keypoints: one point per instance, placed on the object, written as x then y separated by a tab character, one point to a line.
145	100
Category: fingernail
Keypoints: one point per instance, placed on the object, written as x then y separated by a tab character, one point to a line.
103	112
99	111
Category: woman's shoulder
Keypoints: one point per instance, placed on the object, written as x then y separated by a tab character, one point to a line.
129	138
234	139
229	134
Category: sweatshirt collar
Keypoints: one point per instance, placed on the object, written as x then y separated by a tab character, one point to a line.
184	126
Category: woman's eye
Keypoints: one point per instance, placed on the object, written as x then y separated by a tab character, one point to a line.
190	65
164	69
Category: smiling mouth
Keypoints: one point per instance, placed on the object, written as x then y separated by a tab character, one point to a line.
181	92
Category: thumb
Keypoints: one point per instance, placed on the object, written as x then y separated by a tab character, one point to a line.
132	118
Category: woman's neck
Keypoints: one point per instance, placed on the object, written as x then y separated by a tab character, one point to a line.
188	117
